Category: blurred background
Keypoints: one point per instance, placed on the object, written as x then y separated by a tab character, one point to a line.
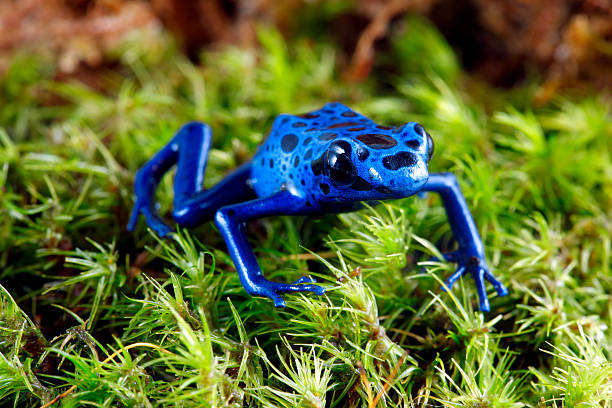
567	42
515	93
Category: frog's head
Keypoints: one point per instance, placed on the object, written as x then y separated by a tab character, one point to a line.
376	166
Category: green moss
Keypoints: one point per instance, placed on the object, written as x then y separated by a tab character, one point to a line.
131	320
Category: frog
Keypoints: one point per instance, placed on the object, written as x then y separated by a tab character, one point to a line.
326	161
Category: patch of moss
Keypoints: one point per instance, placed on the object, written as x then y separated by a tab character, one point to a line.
92	315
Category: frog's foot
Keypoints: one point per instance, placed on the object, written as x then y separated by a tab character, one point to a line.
271	289
477	267
153	220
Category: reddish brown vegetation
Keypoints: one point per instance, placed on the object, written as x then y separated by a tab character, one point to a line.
569	41
75	31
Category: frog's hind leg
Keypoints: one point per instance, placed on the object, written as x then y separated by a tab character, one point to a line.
231	223
470	256
191	209
192	205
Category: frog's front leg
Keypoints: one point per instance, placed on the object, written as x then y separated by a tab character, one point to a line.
192	204
231	223
470	256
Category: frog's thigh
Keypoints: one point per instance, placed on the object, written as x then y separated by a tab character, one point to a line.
194	140
231	223
189	147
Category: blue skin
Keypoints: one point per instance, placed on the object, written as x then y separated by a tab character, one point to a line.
326	161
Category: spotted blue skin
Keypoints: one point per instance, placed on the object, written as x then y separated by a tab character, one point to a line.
325	161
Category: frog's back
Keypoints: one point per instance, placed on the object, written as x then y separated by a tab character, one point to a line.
284	160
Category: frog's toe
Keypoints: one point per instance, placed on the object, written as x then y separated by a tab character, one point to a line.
133	219
484	305
479	274
453	256
284	287
157	225
272	289
482	290
153	221
304	279
271	294
162	230
278	300
448	257
499	287
318	290
450	281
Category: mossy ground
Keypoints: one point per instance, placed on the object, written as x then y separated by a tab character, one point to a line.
92	315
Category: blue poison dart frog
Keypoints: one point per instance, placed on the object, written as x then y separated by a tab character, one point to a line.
326	161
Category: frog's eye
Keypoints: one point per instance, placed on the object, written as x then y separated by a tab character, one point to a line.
338	166
430	143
